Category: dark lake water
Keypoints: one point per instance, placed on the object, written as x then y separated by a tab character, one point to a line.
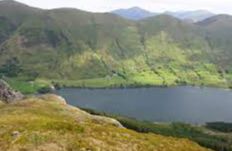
183	104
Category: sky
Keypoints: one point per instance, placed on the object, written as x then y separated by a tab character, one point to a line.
216	6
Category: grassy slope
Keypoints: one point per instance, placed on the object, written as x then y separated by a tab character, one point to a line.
84	49
207	136
48	124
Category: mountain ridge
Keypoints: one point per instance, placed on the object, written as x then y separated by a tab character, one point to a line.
86	49
137	13
134	13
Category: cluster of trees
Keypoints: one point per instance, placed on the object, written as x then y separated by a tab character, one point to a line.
11	68
220	126
180	130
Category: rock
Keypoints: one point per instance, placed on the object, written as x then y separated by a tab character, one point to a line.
52	87
54	98
7	94
102	120
15	134
82	115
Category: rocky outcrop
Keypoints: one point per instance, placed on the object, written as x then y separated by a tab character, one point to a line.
7	94
54	98
81	115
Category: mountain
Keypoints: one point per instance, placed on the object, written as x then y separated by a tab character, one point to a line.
84	49
74	48
134	13
8	8
218	34
194	16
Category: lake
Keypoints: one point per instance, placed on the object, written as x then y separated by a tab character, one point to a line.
180	104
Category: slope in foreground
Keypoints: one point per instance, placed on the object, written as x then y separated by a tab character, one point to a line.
47	123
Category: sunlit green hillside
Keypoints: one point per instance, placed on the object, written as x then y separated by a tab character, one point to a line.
71	47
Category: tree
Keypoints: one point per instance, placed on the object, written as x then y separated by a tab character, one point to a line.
11	68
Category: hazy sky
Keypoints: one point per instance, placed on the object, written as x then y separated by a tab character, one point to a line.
218	6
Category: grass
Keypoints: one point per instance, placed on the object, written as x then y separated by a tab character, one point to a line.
27	87
135	80
147	78
199	134
46	123
142	79
161	77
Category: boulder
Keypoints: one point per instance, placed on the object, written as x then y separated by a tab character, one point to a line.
54	98
7	94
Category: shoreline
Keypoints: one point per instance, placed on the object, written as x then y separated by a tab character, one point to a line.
143	86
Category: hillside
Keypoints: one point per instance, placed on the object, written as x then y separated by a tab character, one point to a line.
84	49
57	126
218	33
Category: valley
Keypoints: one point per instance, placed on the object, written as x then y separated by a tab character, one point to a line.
84	49
145	81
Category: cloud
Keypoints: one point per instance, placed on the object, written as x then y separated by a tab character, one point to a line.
222	6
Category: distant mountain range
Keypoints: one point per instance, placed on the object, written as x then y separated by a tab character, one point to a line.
105	50
137	13
134	13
